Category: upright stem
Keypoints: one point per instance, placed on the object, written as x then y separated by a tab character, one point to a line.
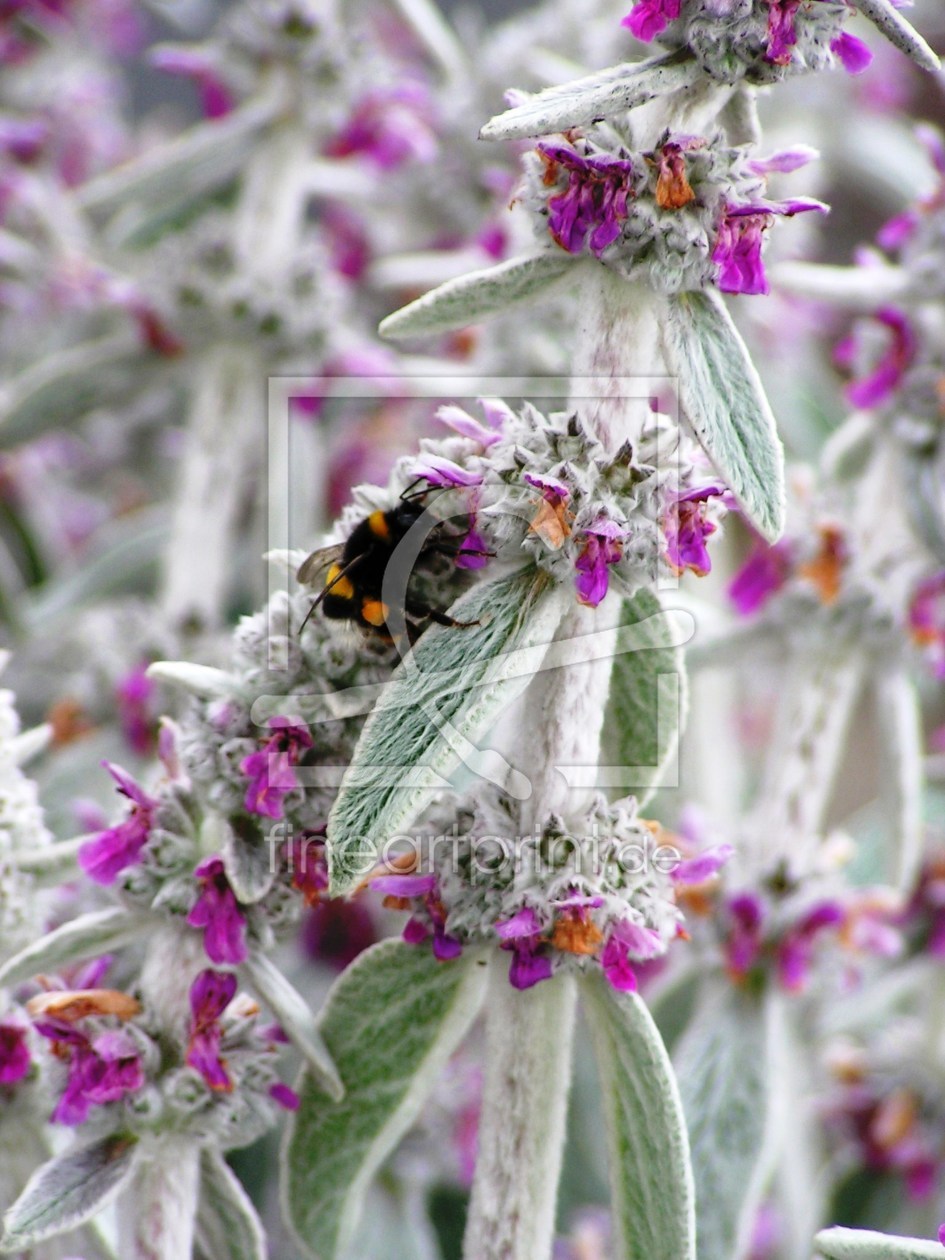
521	1131
529	1034
156	1214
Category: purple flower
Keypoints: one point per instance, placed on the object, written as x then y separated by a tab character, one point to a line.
270	770
442	472
284	1096
218	913
595	201
522	934
649	18
105	856
781	33
628	941
686	530
603	546
927	621
698	869
468	426
743	944
101	1069
202	69
14	1054
390	126
738	247
134	694
210	995
852	53
762	575
795	951
885	378
399	889
337	931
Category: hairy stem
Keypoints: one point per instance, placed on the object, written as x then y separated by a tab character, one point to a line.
521	1130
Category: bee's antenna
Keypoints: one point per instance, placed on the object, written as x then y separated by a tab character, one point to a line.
327	589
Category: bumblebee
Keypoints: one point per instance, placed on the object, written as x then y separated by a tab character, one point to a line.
357	569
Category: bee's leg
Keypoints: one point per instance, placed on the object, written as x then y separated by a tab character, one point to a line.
441	618
444	549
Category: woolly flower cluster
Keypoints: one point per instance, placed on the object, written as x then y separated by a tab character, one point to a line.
544	486
202	845
685	215
109	1061
590	891
242	768
758	40
198	279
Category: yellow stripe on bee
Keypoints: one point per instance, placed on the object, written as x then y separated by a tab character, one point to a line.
377	523
337	585
374	612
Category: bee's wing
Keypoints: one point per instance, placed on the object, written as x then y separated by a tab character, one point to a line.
318	563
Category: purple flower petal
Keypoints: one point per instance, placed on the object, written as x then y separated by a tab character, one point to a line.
528	969
522	924
14	1054
217	912
698	869
404	885
852	53
284	1096
649	18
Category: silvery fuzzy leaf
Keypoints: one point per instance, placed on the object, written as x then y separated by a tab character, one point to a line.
126	552
724	402
600	95
247	858
86	937
202	158
652	1193
200	680
227	1223
58	860
473	297
864	1244
897	30
646	707
899	726
722	1071
64	386
29	744
296	1018
391	1022
851	288
446	693
69	1190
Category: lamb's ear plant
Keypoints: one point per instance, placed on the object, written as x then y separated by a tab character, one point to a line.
480	755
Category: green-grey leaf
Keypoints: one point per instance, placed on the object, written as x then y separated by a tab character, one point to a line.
724	401
647	703
600	95
64	386
227	1223
391	1022
651	1179
296	1018
720	1063
68	1191
202	158
446	693
205	681
85	937
247	859
864	1244
898	31
478	295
